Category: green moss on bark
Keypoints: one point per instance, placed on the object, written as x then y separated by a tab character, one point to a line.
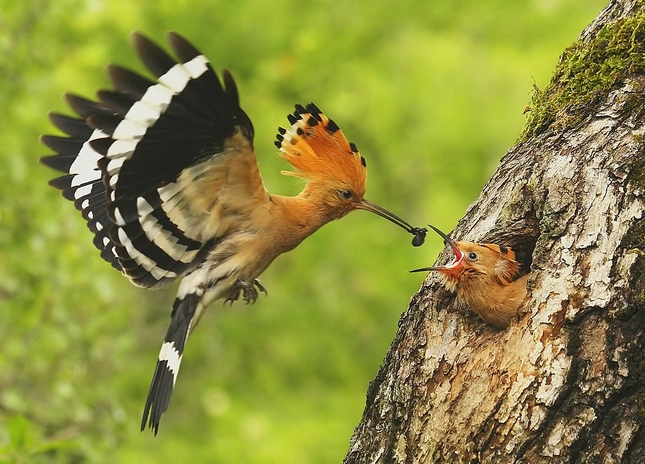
586	73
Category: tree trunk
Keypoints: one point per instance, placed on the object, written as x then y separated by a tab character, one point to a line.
566	381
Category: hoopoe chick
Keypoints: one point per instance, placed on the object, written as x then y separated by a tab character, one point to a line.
165	174
486	277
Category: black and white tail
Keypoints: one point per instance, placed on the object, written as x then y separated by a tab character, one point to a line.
185	312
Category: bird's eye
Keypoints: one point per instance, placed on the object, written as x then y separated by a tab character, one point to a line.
472	256
347	194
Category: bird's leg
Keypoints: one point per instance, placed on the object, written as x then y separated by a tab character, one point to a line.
248	289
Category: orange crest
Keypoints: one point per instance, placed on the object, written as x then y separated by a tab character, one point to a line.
318	150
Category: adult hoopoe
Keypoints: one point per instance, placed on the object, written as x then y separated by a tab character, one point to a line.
166	177
486	277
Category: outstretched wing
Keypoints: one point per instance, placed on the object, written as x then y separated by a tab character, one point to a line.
150	165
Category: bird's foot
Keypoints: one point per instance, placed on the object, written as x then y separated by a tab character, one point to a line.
248	289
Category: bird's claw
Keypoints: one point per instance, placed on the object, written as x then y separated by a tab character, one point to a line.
260	287
248	289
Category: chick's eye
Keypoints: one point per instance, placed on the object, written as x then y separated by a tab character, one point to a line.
347	194
472	256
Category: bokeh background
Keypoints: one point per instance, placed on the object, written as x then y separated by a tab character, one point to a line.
432	92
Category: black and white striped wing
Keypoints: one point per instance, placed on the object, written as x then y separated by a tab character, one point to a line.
131	158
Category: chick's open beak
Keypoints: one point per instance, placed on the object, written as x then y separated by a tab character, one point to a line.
457	260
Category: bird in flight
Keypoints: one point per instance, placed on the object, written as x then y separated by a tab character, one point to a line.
487	277
165	174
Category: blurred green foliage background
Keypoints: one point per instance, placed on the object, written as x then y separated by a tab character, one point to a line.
432	92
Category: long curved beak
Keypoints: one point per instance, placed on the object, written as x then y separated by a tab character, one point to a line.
459	255
418	232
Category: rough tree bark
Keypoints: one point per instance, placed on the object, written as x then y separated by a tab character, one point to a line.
565	382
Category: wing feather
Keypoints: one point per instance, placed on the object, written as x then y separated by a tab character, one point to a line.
147	163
